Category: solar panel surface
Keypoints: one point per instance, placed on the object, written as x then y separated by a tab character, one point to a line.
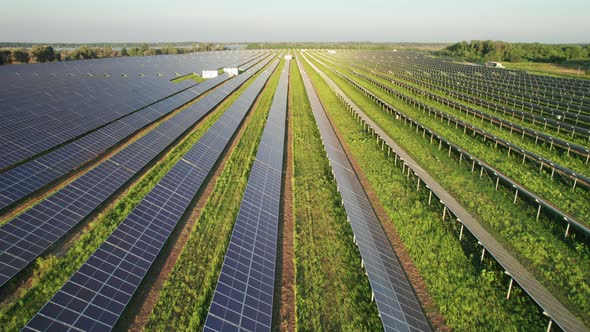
398	306
96	295
45	105
243	297
27	236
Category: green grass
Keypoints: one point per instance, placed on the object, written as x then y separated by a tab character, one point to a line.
564	69
184	300
467	294
561	266
332	291
193	77
51	272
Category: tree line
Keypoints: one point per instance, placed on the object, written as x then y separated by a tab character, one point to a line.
46	53
490	50
401	46
186	44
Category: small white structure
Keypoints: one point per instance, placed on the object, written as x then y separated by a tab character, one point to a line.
494	64
210	74
232	71
288	57
332	51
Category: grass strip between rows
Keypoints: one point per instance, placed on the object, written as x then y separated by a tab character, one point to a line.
332	290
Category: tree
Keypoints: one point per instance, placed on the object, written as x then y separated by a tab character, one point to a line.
20	55
514	54
105	52
144	48
134	51
153	51
124	52
5	55
573	52
168	49
496	50
43	53
82	53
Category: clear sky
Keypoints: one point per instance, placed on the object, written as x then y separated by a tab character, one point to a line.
552	21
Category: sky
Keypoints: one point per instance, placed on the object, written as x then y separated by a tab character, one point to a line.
564	21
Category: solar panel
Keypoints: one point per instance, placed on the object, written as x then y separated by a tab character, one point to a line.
96	295
398	306
15	185
45	105
243	296
53	122
71	204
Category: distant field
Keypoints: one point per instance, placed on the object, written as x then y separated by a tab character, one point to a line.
559	69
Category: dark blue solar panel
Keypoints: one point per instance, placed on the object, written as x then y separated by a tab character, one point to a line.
243	296
14	185
73	203
44	105
96	295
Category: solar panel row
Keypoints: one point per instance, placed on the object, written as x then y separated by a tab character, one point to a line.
245	65
485	167
397	304
243	296
551	307
21	181
27	236
96	295
28	130
41	112
168	66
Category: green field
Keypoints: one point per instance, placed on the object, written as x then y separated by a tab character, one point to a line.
566	69
442	262
546	255
457	280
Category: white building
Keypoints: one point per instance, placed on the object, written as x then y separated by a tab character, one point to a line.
232	71
210	74
332	51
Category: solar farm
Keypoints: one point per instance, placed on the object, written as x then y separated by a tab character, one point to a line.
294	189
